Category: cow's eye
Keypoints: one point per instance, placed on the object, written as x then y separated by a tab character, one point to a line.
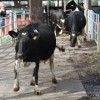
23	33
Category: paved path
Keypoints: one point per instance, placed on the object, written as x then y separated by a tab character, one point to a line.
69	86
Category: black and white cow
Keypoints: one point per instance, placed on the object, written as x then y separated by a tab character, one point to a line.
74	23
56	18
35	42
71	6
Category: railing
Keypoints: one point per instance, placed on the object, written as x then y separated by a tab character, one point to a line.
13	22
93	27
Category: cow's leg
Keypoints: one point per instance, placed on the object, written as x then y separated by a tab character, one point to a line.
32	83
55	32
35	78
84	35
79	41
16	81
59	30
51	63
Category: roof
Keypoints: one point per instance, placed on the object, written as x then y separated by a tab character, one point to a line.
96	9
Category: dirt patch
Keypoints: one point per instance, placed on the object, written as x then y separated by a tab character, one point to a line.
87	65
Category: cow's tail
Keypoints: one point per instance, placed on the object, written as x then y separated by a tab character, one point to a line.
60	48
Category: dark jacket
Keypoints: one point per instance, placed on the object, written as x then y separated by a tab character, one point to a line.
3	14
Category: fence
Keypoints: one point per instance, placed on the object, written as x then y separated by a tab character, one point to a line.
16	19
93	27
12	22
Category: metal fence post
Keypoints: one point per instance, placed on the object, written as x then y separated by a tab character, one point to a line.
12	24
44	16
23	18
90	25
98	35
11	21
15	22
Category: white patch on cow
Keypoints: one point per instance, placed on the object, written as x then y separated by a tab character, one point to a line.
21	63
79	41
61	32
23	33
62	20
73	35
44	11
16	83
17	64
36	31
55	32
35	37
24	64
51	63
37	90
53	22
76	9
33	78
36	87
27	64
59	26
72	5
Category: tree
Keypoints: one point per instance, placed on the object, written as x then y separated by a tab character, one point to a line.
16	3
35	10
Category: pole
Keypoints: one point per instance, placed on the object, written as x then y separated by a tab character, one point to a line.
87	5
35	10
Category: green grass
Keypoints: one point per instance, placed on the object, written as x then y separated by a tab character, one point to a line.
5	39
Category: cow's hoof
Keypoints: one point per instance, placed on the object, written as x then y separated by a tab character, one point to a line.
62	49
79	46
54	81
16	89
32	83
85	40
16	85
37	92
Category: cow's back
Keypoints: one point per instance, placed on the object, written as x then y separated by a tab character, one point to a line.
56	15
76	21
47	41
43	47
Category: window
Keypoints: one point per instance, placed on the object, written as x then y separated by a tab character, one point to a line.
53	3
95	3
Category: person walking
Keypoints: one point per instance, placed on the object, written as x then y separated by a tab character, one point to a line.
2	20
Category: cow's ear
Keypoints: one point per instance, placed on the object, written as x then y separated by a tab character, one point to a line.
35	35
13	34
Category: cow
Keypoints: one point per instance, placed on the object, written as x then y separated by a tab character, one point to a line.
36	42
56	17
75	23
71	6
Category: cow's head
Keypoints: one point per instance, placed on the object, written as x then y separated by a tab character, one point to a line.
73	39
71	5
24	40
